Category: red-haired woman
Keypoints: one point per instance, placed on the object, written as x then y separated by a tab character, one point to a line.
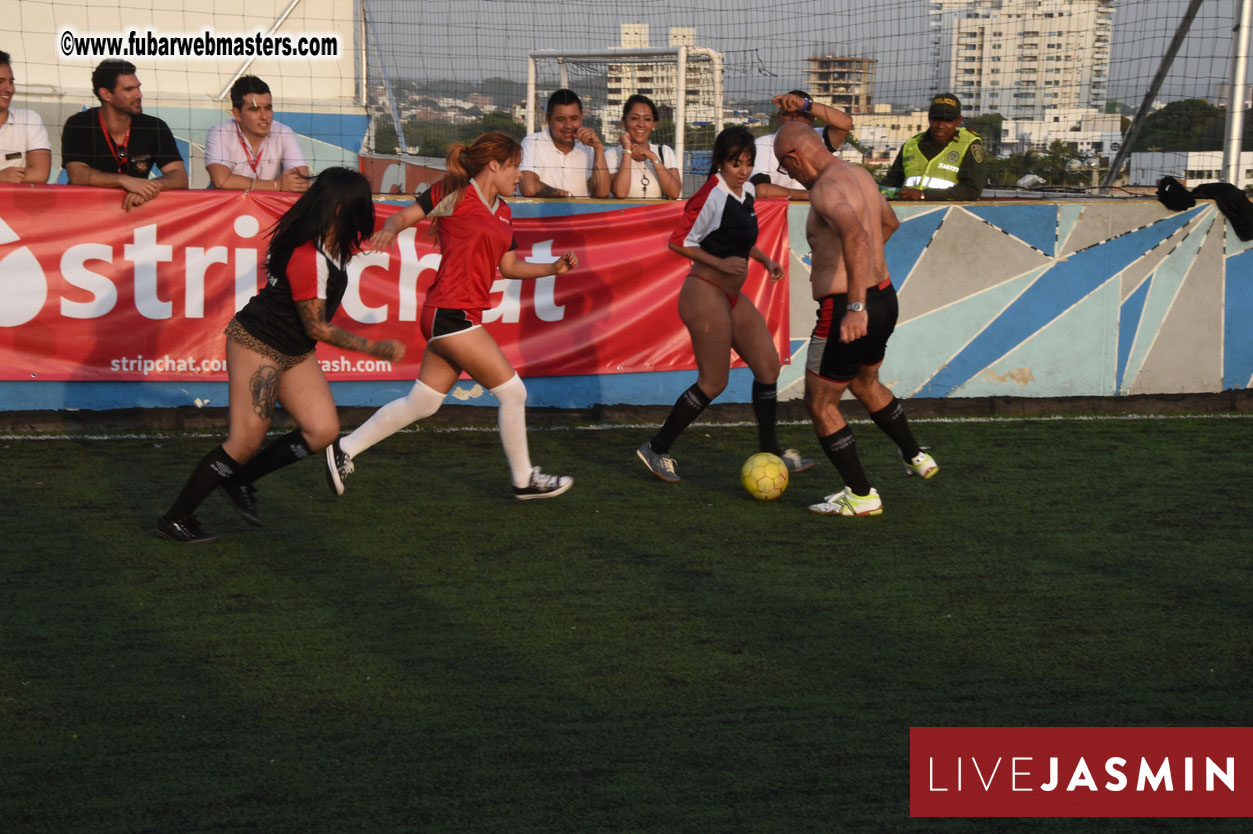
475	233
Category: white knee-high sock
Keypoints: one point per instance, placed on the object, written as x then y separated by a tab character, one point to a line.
512	419
421	401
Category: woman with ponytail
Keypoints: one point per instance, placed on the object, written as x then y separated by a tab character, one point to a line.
269	350
474	228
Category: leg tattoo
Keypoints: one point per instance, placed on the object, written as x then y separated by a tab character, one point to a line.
264	387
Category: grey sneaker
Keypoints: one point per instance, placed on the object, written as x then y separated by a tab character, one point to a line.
796	463
662	466
338	466
543	486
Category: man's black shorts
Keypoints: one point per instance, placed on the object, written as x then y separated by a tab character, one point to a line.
830	358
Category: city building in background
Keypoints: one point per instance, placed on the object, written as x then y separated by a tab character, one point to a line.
659	81
1022	58
846	83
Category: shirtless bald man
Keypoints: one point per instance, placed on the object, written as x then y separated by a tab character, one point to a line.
849	221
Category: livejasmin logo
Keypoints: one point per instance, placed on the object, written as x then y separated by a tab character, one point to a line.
1020	770
151	274
1080	771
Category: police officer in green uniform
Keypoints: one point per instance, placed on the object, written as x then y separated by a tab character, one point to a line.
947	162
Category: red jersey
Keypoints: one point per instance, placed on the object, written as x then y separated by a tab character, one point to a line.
472	240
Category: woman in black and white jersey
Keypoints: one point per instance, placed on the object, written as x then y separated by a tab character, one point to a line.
718	233
269	350
642	170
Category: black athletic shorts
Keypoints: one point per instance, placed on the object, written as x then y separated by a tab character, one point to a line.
830	358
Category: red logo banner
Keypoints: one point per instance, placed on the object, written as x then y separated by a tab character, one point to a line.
1080	771
93	293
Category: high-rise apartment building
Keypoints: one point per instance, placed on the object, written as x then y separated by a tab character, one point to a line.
1022	58
658	81
846	83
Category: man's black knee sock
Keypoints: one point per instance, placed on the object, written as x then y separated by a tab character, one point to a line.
841	448
284	451
891	419
215	467
687	408
765	408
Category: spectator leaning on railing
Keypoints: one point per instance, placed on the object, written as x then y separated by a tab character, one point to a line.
116	145
565	159
769	178
640	169
252	152
25	152
946	162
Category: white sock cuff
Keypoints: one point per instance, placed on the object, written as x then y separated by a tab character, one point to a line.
510	391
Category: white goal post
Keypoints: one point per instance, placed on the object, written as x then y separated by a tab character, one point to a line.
680	55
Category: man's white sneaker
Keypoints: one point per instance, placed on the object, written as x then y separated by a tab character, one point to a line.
921	465
846	502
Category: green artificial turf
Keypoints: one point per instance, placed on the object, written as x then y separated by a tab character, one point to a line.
426	654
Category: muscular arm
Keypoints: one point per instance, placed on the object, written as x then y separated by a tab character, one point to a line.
855	244
313	317
890	221
839	124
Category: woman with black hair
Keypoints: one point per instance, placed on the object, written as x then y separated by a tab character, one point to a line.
270	350
718	234
642	170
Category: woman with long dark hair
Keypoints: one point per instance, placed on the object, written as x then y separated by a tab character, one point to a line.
718	234
475	232
270	350
641	169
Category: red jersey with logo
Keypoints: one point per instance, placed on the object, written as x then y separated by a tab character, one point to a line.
472	240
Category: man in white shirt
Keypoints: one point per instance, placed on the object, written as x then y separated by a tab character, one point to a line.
795	106
25	152
253	152
566	159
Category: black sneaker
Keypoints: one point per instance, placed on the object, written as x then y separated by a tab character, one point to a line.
338	466
543	486
185	530
244	497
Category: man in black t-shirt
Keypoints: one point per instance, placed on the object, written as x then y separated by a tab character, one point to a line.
115	145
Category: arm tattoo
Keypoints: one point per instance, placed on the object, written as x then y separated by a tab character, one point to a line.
264	389
313	316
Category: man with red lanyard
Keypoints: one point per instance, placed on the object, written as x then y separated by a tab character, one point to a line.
116	145
253	152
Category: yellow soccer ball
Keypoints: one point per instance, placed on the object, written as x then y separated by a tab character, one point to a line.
764	476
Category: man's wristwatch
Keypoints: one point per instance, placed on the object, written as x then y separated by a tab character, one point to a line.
856	307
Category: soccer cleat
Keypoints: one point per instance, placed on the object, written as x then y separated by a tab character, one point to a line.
543	486
185	531
338	466
796	463
662	466
922	465
846	502
244	497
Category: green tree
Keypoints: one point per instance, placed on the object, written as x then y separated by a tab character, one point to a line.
1189	125
988	126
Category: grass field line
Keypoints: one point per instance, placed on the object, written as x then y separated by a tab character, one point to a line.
160	435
